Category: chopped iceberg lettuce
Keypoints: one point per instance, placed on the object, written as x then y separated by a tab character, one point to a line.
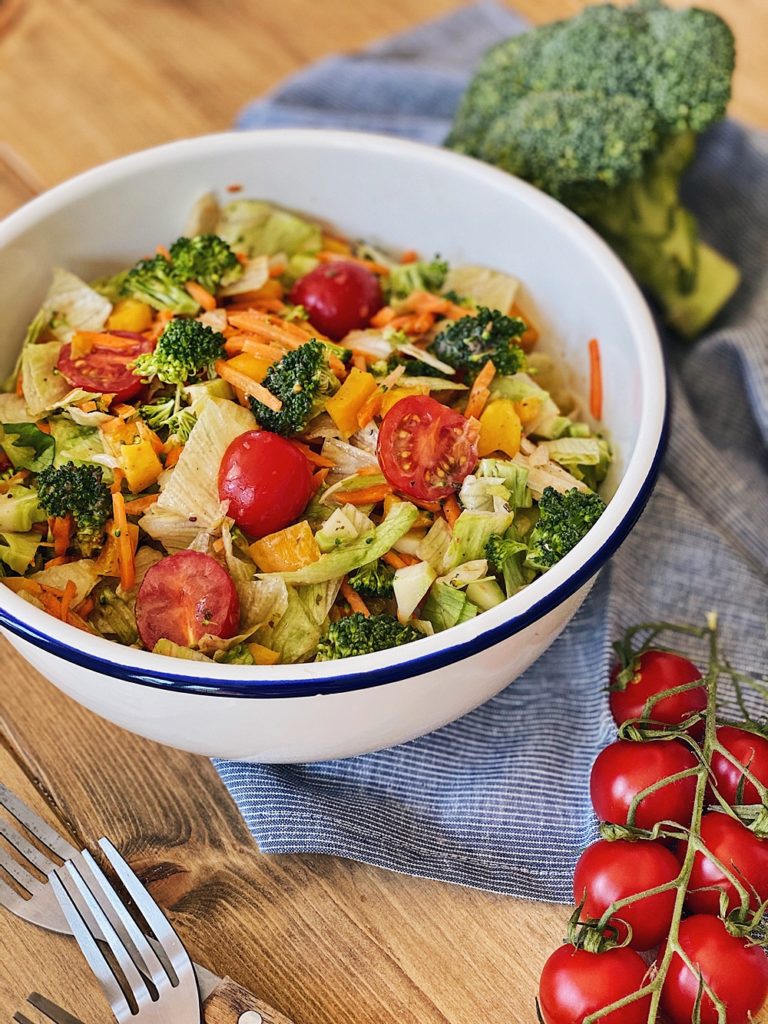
27	446
260	229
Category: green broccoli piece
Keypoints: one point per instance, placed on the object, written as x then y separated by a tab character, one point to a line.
506	557
373	580
80	492
413	367
206	259
469	343
564	519
418	276
186	349
154	281
356	634
602	111
303	382
167	414
237	655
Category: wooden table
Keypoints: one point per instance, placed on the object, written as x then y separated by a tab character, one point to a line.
326	940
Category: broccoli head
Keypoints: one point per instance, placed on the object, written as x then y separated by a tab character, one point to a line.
80	492
167	414
602	111
356	634
413	367
564	519
419	276
154	281
186	349
467	344
303	382
373	580
506	557
206	259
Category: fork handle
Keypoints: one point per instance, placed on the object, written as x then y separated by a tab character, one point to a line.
232	1004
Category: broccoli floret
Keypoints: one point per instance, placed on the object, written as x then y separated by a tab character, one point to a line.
186	349
154	281
563	520
602	111
206	259
413	367
303	382
356	634
80	492
469	343
167	414
373	580
418	276
237	655
506	557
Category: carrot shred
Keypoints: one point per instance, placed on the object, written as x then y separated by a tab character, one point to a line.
530	335
201	295
364	495
173	455
451	509
408	559
409	256
139	506
125	556
314	457
162	250
62	528
20	385
595	380
353	599
428	506
384	316
85	608
51	603
319	478
371	407
59	560
248	386
73	619
43	427
19	583
479	394
358	361
394	560
70	593
325	256
369	471
17	478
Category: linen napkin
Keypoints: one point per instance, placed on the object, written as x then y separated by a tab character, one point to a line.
499	799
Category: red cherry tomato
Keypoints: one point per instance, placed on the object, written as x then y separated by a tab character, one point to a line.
749	749
736	971
575	984
105	369
740	851
607	872
185	596
340	297
655	672
426	449
625	769
266	480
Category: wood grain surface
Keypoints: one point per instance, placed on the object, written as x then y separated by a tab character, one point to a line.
324	940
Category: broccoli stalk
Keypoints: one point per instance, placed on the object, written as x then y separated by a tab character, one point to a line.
419	276
467	344
303	382
507	556
373	580
356	634
168	414
186	349
602	111
564	519
80	492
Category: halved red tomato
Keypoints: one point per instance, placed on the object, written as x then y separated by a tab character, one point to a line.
426	449
105	369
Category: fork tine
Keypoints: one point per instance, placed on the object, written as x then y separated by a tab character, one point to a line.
17	872
48	836
25	848
153	915
51	1010
21	1019
91	952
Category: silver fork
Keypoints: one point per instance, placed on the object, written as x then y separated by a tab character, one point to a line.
49	1009
159	993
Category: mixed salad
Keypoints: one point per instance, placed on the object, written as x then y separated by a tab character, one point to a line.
271	444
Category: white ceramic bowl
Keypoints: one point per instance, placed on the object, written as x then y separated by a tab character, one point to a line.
405	195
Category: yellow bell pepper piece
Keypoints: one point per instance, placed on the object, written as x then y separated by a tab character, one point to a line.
344	406
252	366
263	655
528	409
136	454
396	395
287	550
500	429
130	315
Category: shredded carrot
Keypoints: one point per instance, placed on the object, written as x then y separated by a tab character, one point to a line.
248	386
409	256
364	495
353	599
319	478
59	560
277	269
84	342
19	583
201	295
51	603
428	506
408	559
369	471
313	457
479	394
595	380
117	480
47	588
325	256
43	427
85	607
394	560
20	385
371	407
384	316
530	335
17	478
61	528
243	343
358	361
125	557
451	509
413	323
146	433
173	455
70	593
162	250
139	506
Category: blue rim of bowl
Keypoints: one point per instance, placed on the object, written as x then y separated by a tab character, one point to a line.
360	680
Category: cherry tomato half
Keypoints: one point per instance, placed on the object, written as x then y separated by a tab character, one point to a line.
339	297
736	971
426	449
575	984
607	872
655	672
105	369
266	480
740	851
625	769
185	596
749	749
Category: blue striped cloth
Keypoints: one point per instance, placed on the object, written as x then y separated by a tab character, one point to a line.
498	799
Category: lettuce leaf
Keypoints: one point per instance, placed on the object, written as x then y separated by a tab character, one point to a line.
471	532
43	385
18	550
491	288
82	573
260	229
20	510
72	305
26	446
